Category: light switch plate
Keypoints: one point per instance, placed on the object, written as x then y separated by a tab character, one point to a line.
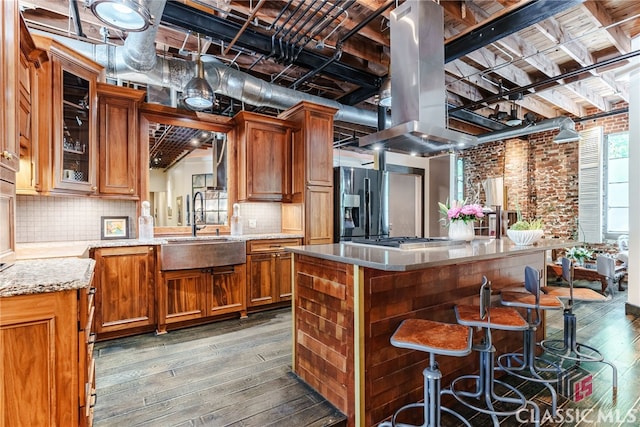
252	223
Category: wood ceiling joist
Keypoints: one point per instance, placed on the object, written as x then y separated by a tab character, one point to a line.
573	47
602	18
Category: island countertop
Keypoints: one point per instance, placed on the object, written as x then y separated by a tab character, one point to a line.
392	259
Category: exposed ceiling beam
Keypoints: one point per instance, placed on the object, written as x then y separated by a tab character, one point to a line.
223	29
573	47
601	18
509	23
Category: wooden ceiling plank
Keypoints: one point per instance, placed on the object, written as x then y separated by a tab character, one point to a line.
602	18
488	60
573	47
522	49
470	74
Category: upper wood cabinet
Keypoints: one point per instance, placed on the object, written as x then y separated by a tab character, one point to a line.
67	93
312	173
263	158
9	64
118	135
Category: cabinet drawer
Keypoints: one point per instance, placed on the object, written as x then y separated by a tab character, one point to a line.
274	245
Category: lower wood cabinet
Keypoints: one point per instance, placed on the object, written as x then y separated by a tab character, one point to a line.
46	359
193	296
269	271
125	286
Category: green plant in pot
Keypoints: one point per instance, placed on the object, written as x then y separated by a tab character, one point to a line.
525	233
578	254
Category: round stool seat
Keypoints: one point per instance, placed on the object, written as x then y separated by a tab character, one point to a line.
527	300
433	337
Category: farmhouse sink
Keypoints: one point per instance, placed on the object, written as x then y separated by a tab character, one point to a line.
186	254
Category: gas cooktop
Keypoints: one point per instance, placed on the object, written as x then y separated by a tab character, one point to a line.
406	242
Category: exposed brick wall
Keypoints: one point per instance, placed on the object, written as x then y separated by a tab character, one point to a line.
540	174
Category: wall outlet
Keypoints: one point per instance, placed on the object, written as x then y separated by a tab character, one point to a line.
252	223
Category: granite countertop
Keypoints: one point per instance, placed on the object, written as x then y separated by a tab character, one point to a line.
391	259
81	248
46	275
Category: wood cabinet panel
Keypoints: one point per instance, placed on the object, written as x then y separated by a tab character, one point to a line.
7	215
118	136
40	359
312	171
319	214
227	290
125	290
9	65
261	286
269	271
263	158
186	293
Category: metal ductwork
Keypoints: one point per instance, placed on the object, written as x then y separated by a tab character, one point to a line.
175	73
565	124
140	47
137	61
418	89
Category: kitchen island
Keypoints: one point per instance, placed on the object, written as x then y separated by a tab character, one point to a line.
350	298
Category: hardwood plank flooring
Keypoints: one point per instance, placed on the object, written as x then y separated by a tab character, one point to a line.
238	373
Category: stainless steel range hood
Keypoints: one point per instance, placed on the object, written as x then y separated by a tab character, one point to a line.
418	103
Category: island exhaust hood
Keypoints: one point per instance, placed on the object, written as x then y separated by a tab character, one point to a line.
418	103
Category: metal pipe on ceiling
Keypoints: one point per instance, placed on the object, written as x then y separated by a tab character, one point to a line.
547	81
244	27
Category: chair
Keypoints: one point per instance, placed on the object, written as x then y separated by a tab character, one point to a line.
433	338
606	267
484	398
569	348
526	365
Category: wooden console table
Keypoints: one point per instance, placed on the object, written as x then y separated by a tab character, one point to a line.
582	273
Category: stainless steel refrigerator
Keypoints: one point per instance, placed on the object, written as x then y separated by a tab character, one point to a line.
359	200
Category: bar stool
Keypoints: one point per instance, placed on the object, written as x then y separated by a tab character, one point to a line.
487	318
433	338
606	267
569	348
527	365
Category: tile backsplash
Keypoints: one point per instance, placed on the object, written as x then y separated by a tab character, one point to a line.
267	216
53	219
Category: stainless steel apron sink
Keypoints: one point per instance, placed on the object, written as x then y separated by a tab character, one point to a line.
186	254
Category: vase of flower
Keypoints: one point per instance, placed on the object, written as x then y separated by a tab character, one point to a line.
461	230
460	217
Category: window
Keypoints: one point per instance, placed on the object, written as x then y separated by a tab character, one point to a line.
215	201
459	180
616	172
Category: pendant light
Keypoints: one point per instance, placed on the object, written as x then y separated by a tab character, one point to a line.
127	15
197	94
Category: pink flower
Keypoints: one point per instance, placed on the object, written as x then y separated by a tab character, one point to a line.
454	212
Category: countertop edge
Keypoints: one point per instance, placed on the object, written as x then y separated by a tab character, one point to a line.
406	260
27	277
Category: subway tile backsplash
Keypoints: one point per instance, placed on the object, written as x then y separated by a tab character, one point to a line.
58	219
54	219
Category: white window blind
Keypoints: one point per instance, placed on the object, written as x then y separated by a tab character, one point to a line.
590	186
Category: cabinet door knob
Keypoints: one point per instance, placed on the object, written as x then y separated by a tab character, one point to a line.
94	188
131	190
7	155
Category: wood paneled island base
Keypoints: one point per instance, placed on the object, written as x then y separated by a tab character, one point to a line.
348	301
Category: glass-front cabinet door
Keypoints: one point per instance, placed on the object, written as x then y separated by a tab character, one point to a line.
75	124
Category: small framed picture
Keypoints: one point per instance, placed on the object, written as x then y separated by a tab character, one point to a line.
114	227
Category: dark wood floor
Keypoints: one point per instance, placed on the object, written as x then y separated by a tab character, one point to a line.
238	373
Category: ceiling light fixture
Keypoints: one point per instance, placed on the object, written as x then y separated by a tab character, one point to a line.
127	15
198	94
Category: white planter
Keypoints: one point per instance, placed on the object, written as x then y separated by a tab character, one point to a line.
459	230
524	237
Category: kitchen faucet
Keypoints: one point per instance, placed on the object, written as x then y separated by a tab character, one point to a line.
194	225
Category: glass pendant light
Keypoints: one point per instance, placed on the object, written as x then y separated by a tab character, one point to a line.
127	15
